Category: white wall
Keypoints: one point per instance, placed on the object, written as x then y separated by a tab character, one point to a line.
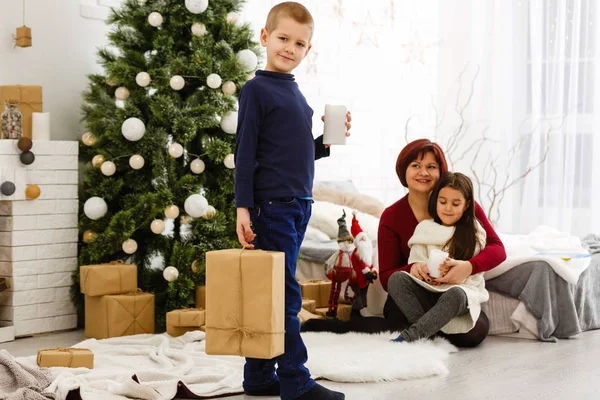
63	53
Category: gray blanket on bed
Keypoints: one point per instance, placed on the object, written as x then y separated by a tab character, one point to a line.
561	309
22	382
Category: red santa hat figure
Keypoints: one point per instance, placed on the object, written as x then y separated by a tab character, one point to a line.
364	248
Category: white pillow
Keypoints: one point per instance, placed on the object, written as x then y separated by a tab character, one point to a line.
315	234
325	215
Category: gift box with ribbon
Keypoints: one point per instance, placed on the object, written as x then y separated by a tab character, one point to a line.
113	278
343	311
317	290
185	320
119	315
245	300
309	305
65	357
29	99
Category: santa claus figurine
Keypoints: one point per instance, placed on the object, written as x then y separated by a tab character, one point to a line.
339	267
362	264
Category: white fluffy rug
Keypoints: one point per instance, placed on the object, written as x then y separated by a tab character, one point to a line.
160	363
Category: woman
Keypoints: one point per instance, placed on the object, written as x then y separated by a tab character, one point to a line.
419	167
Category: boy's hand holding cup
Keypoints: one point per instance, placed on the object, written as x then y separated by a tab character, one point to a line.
337	120
436	257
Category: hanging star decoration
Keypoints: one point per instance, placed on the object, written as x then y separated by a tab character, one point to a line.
414	49
369	31
311	62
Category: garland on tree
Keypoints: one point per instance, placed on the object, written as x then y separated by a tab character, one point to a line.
158	153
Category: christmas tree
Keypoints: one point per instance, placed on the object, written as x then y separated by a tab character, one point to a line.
158	153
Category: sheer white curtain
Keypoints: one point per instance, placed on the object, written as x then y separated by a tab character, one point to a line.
562	109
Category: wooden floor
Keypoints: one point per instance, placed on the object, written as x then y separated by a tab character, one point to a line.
500	369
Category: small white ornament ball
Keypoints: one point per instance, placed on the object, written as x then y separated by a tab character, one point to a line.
95	208
209	213
195	205
228	88
197	166
129	246
196	6
133	129
136	161
177	82
229	122
122	93
247	60
233	17
170	274
229	161
213	81
172	211
198	29
157	226
89	139
108	168
175	150
142	79
98	160
155	19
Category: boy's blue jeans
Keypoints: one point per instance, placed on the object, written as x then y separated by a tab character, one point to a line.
280	225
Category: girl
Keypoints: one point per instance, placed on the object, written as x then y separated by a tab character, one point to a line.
452	308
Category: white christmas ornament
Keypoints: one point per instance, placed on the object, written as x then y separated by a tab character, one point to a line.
229	161
247	60
198	29
175	150
172	211
233	17
133	129
228	88
197	166
136	161
108	168
155	19
229	122
142	79
209	213
170	274
195	205
213	81
122	93
157	226
196	6
177	82
95	208
129	246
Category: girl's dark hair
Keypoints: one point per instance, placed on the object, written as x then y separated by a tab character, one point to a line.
462	245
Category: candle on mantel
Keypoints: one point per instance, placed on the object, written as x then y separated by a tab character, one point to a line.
41	126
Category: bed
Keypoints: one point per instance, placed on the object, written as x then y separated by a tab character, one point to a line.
531	296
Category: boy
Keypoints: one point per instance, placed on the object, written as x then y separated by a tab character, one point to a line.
274	157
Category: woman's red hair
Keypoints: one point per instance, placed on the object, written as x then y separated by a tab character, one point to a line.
416	150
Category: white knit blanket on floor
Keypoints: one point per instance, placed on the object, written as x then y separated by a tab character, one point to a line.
161	362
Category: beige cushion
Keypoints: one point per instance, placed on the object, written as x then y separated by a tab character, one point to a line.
356	201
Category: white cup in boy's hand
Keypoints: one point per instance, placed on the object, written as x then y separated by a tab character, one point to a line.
436	257
334	131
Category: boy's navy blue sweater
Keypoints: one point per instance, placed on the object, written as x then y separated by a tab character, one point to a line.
275	150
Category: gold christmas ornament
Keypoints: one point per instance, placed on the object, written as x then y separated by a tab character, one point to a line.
209	213
186	220
228	88
157	226
172	211
89	139
98	160
122	93
89	236
196	266
130	246
32	192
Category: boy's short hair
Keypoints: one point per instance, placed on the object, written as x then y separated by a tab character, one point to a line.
290	9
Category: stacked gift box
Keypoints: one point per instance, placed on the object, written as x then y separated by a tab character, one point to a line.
114	306
186	320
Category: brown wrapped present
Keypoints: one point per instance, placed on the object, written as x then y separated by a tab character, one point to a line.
305	315
309	305
119	315
23	36
317	290
65	357
113	278
343	311
201	297
30	101
245	299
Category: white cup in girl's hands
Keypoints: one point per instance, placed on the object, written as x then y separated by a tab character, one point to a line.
436	257
334	131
